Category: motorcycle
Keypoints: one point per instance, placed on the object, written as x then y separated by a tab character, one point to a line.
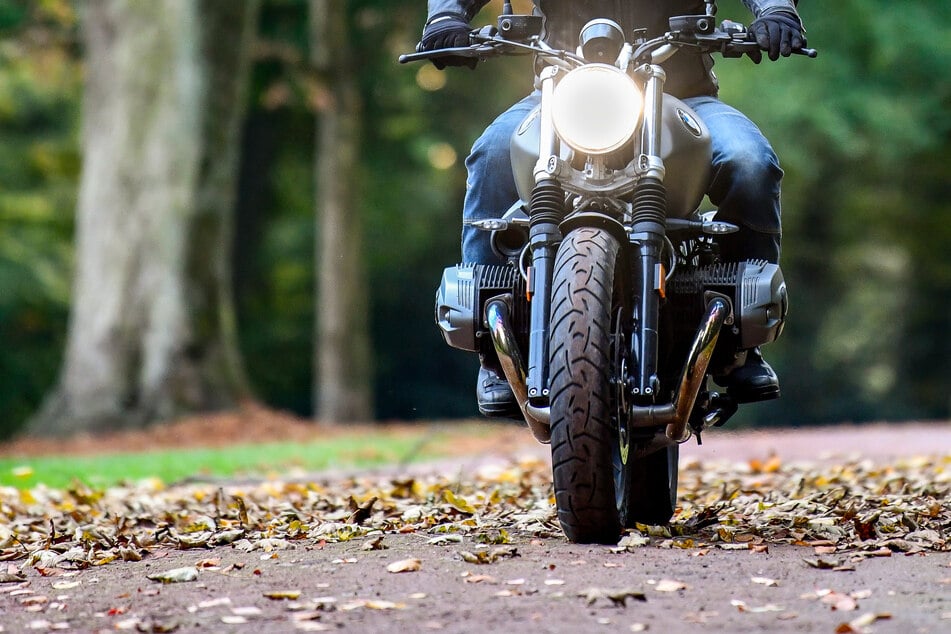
614	309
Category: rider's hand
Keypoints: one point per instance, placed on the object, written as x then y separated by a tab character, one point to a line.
777	33
447	31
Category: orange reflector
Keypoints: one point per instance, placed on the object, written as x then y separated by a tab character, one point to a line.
660	280
528	283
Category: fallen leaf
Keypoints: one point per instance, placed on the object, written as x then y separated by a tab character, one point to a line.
176	575
283	595
65	585
742	606
488	556
208	563
371	605
766	581
840	602
360	512
374	543
670	585
11	577
211	603
823	563
616	597
480	579
457	502
446	539
247	610
405	565
860	624
234	619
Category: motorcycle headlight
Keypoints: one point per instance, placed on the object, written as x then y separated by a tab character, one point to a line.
596	108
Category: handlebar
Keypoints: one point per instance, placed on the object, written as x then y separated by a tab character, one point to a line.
731	40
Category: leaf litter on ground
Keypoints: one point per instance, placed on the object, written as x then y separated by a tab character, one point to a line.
845	512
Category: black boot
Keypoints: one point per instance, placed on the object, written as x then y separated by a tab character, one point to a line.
495	396
753	381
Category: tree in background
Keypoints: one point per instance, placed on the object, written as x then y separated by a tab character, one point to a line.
152	330
342	349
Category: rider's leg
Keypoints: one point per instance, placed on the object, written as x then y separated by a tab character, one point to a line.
745	181
490	191
745	186
490	186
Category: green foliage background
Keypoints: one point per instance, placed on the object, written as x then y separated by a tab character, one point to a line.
864	134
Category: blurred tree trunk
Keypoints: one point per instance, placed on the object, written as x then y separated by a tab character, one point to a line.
342	390
152	330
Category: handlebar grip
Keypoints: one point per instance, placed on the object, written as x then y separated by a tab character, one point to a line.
811	53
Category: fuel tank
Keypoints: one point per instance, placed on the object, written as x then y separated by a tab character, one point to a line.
686	154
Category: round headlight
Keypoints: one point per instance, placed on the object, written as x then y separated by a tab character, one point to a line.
596	108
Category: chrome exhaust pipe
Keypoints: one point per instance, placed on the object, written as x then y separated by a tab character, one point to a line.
695	368
675	415
503	338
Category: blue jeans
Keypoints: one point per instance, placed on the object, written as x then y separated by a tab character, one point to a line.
744	184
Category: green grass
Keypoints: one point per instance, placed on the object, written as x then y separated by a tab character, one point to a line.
344	451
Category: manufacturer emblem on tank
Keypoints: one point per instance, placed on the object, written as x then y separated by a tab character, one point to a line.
690	123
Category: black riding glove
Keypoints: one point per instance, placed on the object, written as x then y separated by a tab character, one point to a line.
778	33
447	31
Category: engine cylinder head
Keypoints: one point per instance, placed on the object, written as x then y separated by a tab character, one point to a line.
461	299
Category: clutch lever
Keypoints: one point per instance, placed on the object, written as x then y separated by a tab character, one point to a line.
743	42
739	49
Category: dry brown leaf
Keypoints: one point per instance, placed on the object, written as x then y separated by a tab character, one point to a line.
480	579
405	565
840	602
212	562
823	563
374	543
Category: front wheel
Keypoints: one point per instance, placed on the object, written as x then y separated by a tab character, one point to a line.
601	485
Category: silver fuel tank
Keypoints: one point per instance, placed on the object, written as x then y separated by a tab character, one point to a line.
686	154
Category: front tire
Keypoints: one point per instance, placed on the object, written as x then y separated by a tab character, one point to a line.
597	494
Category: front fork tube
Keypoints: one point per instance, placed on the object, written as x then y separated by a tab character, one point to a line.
649	214
546	212
543	241
646	336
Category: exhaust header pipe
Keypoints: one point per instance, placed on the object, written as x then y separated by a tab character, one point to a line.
675	415
497	316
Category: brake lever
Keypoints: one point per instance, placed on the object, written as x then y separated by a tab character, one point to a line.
478	51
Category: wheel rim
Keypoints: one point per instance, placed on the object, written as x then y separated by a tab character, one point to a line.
622	449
